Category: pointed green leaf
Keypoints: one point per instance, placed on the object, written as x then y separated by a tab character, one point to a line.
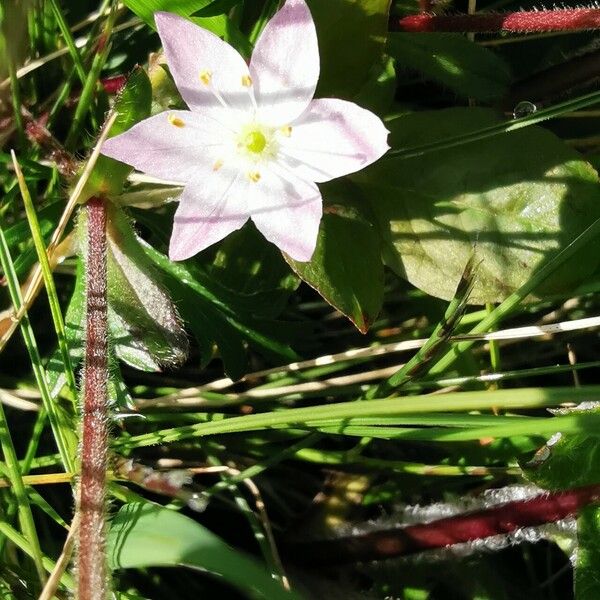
145	328
454	61
346	268
147	535
352	35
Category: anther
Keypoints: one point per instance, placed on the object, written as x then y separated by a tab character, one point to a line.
246	80
287	130
174	120
254	176
206	76
217	165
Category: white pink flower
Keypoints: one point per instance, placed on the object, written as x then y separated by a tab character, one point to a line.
254	143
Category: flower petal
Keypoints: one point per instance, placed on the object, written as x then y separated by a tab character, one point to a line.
171	145
333	138
210	208
208	72
287	211
285	64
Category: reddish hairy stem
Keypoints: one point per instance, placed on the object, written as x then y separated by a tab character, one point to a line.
400	541
91	560
568	19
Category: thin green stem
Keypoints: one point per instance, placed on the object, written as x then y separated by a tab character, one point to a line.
493	346
20	542
436	342
258	529
62	428
18	487
68	37
55	310
341	459
499	128
90	85
15	91
25	464
522	398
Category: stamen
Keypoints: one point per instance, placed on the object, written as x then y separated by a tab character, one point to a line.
254	176
286	130
206	76
217	165
247	83
174	120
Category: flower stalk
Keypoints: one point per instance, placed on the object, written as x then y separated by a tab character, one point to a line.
91	560
502	520
541	21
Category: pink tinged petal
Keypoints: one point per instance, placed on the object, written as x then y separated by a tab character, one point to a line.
333	138
287	211
171	145
285	64
206	70
212	205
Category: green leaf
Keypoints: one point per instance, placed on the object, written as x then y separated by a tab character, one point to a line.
145	10
219	24
145	328
249	272
587	582
570	461
146	535
461	65
346	268
352	35
217	319
131	106
515	200
217	7
377	94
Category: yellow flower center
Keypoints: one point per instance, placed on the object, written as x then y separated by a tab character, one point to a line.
255	142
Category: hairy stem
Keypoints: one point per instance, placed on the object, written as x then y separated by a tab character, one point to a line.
91	560
467	527
571	19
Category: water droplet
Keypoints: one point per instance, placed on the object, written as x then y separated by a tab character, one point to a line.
198	502
524	109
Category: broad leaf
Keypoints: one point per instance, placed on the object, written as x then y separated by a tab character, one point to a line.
217	7
249	272
346	267
147	535
452	60
220	25
377	94
145	330
217	318
569	460
514	199
145	10
352	35
587	582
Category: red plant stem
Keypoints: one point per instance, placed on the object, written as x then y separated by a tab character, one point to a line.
400	541
568	19
113	85
91	563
